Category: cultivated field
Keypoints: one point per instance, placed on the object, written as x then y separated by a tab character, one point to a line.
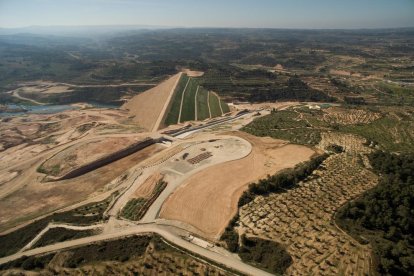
208	199
136	207
343	116
303	219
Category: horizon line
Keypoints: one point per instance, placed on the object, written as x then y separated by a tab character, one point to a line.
143	26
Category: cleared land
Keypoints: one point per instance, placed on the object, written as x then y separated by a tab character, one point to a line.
38	198
208	199
150	105
83	153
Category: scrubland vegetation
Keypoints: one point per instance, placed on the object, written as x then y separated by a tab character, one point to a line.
390	129
58	234
142	255
255	65
384	215
85	215
347	212
380	217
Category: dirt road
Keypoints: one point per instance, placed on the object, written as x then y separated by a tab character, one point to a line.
17	95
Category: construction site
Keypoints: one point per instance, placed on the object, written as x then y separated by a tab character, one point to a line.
169	167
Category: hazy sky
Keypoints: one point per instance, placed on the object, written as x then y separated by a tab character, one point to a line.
210	13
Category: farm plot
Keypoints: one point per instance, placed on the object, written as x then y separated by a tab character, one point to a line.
302	219
286	125
336	115
136	208
393	132
350	143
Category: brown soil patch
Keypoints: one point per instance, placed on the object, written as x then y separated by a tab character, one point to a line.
84	153
208	199
148	106
146	189
344	73
279	67
194	74
35	198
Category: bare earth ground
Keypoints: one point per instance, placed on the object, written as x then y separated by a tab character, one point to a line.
37	198
208	199
145	190
148	106
193	73
28	140
88	151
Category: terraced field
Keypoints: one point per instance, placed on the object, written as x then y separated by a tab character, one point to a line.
349	116
302	219
193	102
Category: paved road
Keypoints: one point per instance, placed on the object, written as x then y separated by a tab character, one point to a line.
163	231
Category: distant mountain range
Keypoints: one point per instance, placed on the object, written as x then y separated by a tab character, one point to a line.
78	30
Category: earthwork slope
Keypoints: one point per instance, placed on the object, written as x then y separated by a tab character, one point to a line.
148	108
